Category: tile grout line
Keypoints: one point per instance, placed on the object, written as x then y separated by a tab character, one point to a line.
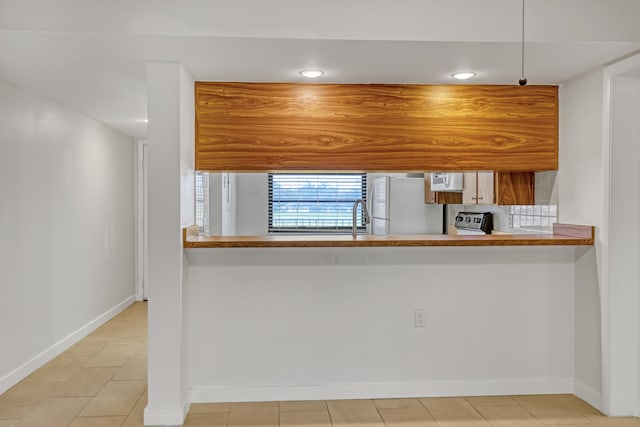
474	409
135	404
99	391
378	411
326	404
428	411
528	412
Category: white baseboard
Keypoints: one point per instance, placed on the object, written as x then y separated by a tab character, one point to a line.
166	417
589	395
206	394
24	370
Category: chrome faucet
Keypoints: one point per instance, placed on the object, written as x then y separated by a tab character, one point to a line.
367	219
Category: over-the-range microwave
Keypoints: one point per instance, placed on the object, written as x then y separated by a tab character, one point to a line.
446	181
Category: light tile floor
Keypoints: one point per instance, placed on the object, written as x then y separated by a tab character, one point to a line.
101	382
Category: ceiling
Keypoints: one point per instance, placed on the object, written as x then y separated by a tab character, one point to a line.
91	55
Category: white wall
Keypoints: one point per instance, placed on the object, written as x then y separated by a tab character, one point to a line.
624	246
171	207
187	206
546	188
316	323
580	188
67	227
580	173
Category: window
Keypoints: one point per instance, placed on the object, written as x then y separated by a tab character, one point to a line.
315	202
202	201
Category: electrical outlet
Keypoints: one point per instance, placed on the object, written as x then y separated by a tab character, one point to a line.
418	317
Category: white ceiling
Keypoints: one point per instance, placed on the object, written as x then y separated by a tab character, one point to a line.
91	55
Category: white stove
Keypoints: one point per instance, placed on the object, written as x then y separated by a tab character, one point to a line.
474	223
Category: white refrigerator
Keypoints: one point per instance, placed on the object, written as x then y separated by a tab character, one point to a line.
397	207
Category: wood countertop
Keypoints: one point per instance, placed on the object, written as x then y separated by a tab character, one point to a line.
563	235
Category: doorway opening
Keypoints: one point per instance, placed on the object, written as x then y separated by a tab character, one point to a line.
141	220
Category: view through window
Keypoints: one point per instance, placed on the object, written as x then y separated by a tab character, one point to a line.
315	202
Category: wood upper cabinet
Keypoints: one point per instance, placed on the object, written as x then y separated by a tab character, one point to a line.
501	188
265	127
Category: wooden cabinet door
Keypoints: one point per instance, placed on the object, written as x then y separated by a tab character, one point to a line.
429	196
469	188
477	188
484	182
515	188
449	198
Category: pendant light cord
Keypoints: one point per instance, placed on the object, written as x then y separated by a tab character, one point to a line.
523	80
523	38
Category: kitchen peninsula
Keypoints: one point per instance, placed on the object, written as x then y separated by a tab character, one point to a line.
329	322
315	316
240	320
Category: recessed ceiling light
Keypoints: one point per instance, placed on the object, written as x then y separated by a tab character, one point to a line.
145	120
463	76
311	74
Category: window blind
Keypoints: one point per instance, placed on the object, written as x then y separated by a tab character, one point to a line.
315	202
